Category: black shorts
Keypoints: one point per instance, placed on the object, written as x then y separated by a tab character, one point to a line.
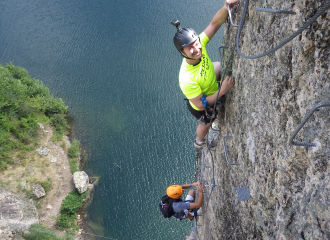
197	114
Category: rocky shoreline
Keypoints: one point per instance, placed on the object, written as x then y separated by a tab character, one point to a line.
23	201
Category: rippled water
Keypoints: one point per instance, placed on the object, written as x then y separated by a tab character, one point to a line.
115	66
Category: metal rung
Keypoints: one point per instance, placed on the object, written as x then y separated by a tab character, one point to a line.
309	114
224	146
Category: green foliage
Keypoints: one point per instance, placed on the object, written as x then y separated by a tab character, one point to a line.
69	208
23	102
47	185
3	165
72	202
63	221
73	166
74	150
39	232
67	221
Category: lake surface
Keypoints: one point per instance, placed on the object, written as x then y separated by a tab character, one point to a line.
114	64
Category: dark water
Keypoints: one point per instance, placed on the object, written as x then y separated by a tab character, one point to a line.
115	66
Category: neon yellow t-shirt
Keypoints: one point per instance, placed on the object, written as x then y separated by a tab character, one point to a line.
200	78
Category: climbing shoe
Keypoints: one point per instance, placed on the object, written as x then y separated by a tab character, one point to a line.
210	144
199	146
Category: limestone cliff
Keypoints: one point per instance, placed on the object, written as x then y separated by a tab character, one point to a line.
289	185
17	213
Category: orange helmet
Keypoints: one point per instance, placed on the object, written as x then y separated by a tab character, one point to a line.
174	191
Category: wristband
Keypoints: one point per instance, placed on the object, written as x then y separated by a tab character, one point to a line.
190	184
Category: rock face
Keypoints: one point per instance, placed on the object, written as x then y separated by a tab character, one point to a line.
16	214
81	181
289	185
38	191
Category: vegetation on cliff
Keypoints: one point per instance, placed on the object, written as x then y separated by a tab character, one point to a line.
29	117
24	101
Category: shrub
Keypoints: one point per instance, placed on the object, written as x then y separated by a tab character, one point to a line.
59	123
3	165
69	208
47	185
74	150
73	166
23	100
63	221
39	232
72	202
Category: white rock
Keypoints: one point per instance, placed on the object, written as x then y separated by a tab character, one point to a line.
81	181
38	190
53	159
43	151
41	125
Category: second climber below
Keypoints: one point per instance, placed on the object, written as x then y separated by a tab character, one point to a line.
198	75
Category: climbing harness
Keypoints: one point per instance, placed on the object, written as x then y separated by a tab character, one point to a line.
309	114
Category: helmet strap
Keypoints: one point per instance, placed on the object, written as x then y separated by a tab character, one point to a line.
185	56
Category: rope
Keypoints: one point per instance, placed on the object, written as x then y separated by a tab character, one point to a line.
308	23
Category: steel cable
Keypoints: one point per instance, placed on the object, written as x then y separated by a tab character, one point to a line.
308	23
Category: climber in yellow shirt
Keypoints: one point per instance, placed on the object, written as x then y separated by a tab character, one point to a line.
198	75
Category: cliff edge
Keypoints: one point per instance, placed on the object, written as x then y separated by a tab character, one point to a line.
289	185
